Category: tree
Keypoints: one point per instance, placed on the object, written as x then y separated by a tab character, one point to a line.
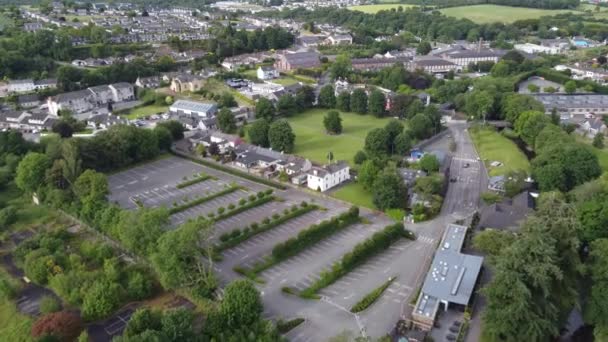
100	300
598	140
63	128
264	109
358	101
287	106
570	87
515	104
164	137
377	142
226	121
389	191
227	100
596	312
343	101
360	157
478	103
214	149
533	88
327	98
423	48
281	136
175	127
429	163
305	97
241	305
258	133
333	122
340	68
421	126
143	319
177	325
367	174
530	124
91	186
492	242
63	325
500	69
31	171
403	143
393	128
201	150
376	103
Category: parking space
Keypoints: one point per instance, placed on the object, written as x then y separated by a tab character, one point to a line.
114	326
205	208
28	300
167	195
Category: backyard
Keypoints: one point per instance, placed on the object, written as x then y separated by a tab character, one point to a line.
482	14
313	143
354	193
138	112
493	146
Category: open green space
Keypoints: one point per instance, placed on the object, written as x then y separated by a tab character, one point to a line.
377	8
483	14
314	143
139	112
354	193
493	146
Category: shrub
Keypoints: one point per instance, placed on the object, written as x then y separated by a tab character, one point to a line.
261	194
303	204
64	325
266	220
221	210
224	237
8	216
294	208
252	198
231	206
285	211
201	200
242	201
275	216
285	327
211	214
255	225
371	297
49	304
269	192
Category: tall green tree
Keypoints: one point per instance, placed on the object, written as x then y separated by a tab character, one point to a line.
327	97
358	101
281	136
241	305
340	68
343	101
376	103
31	171
226	121
286	105
389	191
333	122
264	109
258	133
377	142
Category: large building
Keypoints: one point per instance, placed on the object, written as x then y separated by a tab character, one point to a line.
95	97
465	57
328	176
451	280
569	105
292	61
193	108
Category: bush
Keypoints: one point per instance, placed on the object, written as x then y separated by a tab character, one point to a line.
269	192
261	194
285	211
195	180
240	209
252	198
254	226
371	297
231	206
221	210
266	220
242	201
303	204
193	203
285	327
225	237
49	304
8	216
275	216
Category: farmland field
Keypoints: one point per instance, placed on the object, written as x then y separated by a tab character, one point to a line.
377	8
494	13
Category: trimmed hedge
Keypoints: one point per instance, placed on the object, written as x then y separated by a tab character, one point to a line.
314	234
237	236
193	181
371	297
377	243
285	327
234	172
237	210
202	200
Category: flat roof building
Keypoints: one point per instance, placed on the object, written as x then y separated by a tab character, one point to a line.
450	281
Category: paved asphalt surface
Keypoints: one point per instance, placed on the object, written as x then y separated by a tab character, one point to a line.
154	184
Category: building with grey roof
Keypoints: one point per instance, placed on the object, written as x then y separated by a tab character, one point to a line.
574	104
292	61
193	108
326	177
508	214
450	281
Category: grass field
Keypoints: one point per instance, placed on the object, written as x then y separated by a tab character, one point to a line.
139	112
313	143
493	13
492	146
377	8
355	194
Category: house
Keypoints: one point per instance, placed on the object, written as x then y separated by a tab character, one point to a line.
251	157
292	61
592	126
409	176
28	121
450	282
507	214
328	176
536	49
433	65
465	57
368	64
339	39
82	101
148	82
579	72
32	27
21	86
310	41
186	83
28	101
267	72
105	121
193	108
574	104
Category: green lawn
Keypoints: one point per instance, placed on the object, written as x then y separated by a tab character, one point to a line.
139	112
493	146
285	81
313	143
355	194
377	8
483	14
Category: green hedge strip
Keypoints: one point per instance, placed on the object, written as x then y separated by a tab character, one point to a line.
193	181
242	208
371	297
362	252
238	236
202	200
234	172
286	326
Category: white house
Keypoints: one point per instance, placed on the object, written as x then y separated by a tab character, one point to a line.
328	176
535	48
267	72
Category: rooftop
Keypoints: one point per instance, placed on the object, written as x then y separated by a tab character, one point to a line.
572	100
193	106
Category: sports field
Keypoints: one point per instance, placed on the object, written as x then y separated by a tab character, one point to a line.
313	143
493	13
377	8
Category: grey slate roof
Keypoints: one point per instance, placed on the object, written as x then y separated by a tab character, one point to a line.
507	214
182	105
328	169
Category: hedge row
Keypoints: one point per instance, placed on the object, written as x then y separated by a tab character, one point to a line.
202	200
377	243
234	172
314	234
371	297
284	327
231	212
237	236
193	181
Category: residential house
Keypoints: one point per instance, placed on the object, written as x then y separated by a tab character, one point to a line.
32	27
536	49
105	121
339	39
310	41
27	121
148	82
593	126
508	214
328	176
434	65
450	282
186	83
193	108
267	72
292	61
82	101
29	101
580	72
574	104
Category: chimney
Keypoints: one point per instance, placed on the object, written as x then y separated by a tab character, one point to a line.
479	45
314	172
